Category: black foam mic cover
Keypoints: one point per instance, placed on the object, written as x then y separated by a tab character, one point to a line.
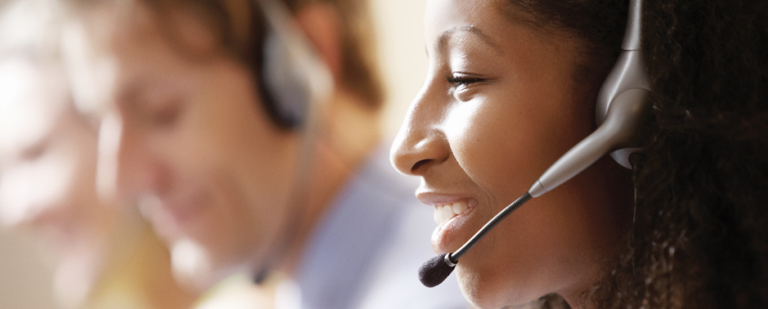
434	271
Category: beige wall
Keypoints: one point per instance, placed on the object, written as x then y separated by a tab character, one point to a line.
25	280
402	57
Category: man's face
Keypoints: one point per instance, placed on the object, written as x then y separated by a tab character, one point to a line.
183	132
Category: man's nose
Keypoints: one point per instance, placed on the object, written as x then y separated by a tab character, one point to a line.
126	164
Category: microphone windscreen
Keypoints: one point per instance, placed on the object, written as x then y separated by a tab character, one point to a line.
434	271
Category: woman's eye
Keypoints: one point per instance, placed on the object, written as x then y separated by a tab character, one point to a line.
461	85
459	80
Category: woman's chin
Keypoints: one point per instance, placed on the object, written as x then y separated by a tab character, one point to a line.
489	289
481	292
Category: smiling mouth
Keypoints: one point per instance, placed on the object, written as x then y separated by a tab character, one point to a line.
445	212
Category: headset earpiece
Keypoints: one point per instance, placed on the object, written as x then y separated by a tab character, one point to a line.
294	75
622	120
620	109
628	73
300	84
285	83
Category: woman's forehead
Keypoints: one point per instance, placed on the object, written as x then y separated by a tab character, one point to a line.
461	24
442	15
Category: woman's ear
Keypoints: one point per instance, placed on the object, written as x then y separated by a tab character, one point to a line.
322	25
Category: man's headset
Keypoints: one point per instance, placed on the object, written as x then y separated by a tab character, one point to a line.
621	107
297	85
295	79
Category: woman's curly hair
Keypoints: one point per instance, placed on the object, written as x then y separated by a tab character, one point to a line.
700	239
700	233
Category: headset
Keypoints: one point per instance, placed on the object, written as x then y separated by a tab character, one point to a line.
620	110
296	85
296	81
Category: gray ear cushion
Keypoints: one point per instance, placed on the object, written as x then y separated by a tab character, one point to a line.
285	82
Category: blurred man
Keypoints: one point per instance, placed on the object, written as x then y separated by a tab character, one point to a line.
105	256
192	128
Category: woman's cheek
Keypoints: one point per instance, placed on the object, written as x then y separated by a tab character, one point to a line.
480	141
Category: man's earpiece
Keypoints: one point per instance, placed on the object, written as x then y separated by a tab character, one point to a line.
294	75
287	88
300	85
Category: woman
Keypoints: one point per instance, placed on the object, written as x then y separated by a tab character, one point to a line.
105	256
512	85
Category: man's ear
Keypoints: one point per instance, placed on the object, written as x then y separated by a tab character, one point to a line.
322	25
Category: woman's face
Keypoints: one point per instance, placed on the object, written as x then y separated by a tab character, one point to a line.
500	104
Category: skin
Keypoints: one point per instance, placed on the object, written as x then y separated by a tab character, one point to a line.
184	132
498	107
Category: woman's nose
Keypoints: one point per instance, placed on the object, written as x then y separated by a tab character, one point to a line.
420	144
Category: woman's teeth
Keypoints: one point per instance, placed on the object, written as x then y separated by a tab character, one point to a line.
445	212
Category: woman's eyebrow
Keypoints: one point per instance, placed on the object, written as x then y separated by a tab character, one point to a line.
442	41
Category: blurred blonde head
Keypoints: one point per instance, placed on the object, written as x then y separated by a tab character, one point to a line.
47	165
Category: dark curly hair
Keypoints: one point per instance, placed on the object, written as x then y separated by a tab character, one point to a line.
700	234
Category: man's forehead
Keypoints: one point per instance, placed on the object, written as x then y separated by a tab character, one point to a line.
108	56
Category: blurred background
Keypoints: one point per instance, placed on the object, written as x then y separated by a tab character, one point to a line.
25	272
402	55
